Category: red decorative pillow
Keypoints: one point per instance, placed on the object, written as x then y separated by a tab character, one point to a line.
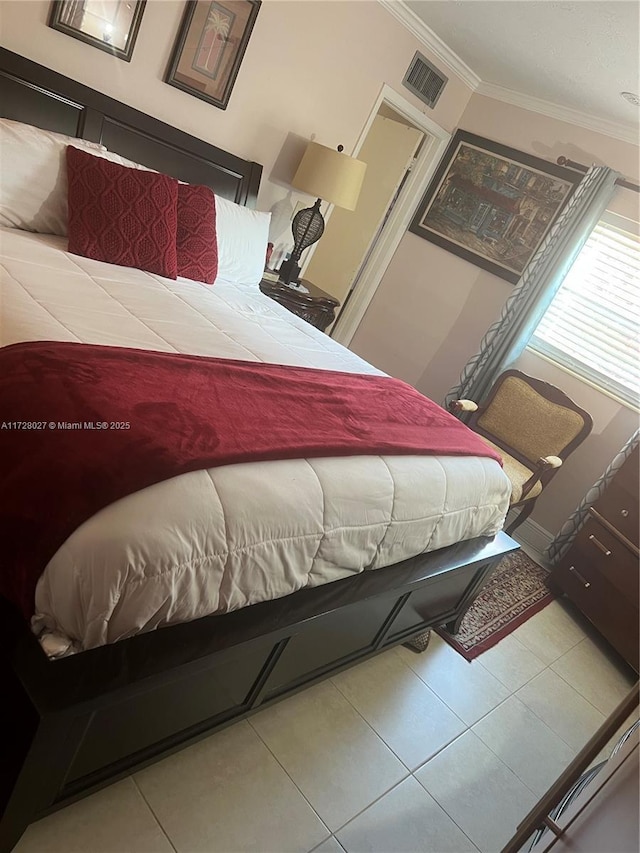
196	244
122	216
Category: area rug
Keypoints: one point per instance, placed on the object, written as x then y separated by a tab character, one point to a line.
515	591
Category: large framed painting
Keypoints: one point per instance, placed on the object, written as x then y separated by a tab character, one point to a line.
491	204
211	42
110	25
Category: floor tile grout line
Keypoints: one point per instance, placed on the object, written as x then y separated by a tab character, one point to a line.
427	685
410	776
525	647
585	636
623	670
572	646
293	781
529	708
434	797
155	816
548	666
451	818
409	771
363	718
372	803
388	790
444	746
580	694
469	728
514	693
439	698
608	655
452	710
515	773
433	689
313	849
531	711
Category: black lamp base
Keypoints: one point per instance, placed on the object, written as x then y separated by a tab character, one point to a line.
289	271
307	228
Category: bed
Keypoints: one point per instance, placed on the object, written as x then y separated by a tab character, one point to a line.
133	693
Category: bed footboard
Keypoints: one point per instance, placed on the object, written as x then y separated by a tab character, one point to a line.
75	725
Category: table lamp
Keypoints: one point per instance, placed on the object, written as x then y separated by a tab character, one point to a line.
333	177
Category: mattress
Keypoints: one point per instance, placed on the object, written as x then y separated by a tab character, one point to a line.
216	540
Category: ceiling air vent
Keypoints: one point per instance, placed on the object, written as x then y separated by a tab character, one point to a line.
424	80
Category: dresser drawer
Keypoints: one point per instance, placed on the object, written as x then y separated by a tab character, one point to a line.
597	547
619	506
603	604
619	502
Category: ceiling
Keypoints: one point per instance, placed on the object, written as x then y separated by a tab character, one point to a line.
578	54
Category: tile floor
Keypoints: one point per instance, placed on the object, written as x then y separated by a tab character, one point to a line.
406	752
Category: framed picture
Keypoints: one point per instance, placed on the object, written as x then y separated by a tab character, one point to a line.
491	204
211	42
111	25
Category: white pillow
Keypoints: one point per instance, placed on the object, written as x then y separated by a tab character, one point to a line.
33	177
243	235
122	161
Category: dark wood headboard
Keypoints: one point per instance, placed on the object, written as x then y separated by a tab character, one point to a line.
36	95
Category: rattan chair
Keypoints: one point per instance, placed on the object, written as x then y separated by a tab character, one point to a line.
534	427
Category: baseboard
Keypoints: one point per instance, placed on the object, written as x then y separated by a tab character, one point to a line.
533	538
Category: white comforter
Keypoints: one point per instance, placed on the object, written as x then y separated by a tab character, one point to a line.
216	540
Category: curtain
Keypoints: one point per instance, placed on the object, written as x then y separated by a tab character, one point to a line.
576	520
541	278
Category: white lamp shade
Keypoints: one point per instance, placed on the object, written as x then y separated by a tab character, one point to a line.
330	175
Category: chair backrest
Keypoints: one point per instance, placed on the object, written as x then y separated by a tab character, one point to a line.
531	417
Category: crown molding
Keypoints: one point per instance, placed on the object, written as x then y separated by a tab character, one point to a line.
417	27
624	132
431	41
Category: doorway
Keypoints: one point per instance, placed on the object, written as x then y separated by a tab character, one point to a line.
389	150
401	147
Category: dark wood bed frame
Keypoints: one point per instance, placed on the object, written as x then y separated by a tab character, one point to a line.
72	726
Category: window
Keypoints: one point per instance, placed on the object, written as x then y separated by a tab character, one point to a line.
592	326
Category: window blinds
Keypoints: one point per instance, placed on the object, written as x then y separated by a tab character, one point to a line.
593	324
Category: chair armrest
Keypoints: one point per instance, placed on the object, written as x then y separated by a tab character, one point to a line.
463	406
549	462
545	463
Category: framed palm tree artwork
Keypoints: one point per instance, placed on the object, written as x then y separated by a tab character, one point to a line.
211	43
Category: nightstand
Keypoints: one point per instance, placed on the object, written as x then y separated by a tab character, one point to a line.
316	306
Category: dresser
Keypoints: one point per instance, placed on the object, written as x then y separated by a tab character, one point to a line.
591	807
309	302
599	573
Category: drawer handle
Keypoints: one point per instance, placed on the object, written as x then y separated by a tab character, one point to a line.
624	513
600	546
585	583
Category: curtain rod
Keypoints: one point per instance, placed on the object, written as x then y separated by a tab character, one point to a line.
580	167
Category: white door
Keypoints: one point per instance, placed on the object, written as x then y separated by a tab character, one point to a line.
388	151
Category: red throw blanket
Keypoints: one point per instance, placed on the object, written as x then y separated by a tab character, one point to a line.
82	426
